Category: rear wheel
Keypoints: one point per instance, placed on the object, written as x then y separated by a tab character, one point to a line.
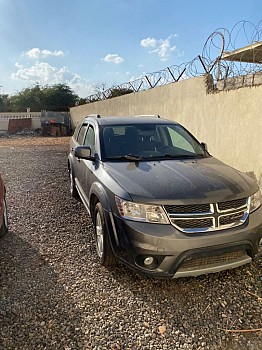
103	245
73	190
4	227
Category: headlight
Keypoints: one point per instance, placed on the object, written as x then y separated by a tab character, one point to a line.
255	201
141	212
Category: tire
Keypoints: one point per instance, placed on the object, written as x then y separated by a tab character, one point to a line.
103	245
4	227
73	190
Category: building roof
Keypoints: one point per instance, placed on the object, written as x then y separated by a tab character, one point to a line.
251	54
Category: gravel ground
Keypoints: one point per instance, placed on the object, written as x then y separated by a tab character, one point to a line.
55	295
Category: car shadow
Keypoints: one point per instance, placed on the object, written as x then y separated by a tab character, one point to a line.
36	311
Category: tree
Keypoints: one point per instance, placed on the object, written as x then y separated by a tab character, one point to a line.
27	98
5	103
58	97
103	92
81	101
100	87
118	91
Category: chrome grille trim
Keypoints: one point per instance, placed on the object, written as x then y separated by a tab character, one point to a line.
175	221
242	203
214	220
184	210
240	216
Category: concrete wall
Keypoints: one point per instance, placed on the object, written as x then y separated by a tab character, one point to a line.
228	121
6	116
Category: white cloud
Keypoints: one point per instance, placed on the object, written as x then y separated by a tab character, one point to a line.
162	47
36	53
18	65
45	74
41	72
113	58
148	42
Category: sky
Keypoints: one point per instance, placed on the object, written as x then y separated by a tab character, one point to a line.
84	43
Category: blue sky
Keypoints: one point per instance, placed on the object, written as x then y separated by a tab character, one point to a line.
87	42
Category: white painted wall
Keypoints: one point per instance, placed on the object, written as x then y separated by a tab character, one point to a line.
5	116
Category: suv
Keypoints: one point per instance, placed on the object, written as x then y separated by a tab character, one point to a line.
160	203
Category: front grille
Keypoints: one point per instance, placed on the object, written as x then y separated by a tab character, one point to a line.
235	204
185	209
205	217
194	223
230	219
212	260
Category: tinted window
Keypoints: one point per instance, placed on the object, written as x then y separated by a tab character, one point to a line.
149	140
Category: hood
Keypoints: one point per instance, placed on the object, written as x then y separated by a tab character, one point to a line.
184	181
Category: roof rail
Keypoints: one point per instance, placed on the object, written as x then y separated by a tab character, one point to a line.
94	115
147	115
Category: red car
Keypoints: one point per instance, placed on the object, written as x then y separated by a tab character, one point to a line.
3	210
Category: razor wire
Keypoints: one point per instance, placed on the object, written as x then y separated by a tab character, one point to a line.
211	61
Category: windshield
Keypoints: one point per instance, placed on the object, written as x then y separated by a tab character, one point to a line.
149	141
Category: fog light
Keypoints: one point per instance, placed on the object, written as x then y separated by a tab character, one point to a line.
149	261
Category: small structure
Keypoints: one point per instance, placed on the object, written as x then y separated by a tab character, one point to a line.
14	122
53	128
50	123
55	123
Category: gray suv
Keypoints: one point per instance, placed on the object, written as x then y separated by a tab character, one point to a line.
160	203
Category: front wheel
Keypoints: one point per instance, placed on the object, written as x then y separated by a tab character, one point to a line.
4	227
103	245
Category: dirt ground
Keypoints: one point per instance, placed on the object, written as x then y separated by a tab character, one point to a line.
16	141
54	294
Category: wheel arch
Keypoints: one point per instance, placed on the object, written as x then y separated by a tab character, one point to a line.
70	165
98	194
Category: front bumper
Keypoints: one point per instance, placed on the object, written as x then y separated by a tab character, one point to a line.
176	254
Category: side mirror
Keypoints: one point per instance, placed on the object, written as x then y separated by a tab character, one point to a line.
204	146
84	152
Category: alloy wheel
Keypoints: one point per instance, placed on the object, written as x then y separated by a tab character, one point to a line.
99	236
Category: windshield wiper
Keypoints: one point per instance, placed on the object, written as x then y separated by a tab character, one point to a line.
131	157
135	158
183	156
